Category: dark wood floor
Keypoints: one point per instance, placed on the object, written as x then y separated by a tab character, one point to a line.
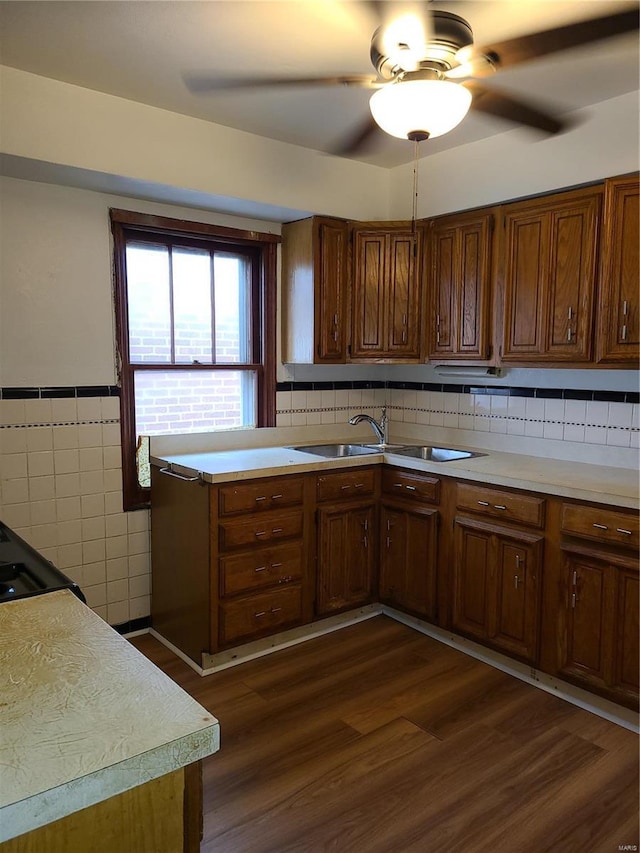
377	738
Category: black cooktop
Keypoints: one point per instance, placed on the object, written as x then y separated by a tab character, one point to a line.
24	572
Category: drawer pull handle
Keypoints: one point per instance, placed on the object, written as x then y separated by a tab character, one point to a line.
275	565
260	533
359	485
397	485
275	497
260	569
516	581
600	526
483	503
622	530
276	609
262	498
261	613
499	506
411	488
346	486
277	530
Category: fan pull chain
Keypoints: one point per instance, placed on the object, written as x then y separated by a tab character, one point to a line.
414	213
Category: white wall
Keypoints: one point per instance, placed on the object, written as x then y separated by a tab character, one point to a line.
57	319
518	163
54	122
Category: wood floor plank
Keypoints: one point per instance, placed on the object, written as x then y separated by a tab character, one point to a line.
378	739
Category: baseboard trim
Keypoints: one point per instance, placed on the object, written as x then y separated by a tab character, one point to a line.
618	714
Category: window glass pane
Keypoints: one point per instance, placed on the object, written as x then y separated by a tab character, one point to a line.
149	305
192	305
232	307
169	401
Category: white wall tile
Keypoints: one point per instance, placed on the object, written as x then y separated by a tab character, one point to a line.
92	505
110	435
112	479
93	528
14	465
139	564
65	438
14	491
90	435
90	409
573	432
40	463
112	502
68	509
69	555
12	412
42	488
139	521
110	408
620	415
118	590
13	440
67	485
117	612
116	546
37	411
534	409
575	411
90	459
139	607
618	437
92	483
283	420
94	573
116	525
595	434
43	512
43	535
554	410
39	438
64	410
96	596
66	461
117	568
69	532
17	515
597	412
553	430
139	586
138	543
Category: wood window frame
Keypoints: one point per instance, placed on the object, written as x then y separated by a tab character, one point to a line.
262	247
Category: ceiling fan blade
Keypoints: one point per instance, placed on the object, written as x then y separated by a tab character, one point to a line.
205	84
361	138
521	49
504	106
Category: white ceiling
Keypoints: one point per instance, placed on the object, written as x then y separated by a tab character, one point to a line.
141	50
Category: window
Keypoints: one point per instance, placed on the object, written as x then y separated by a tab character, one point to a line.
195	325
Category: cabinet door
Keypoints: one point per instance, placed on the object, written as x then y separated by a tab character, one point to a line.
549	278
331	282
572	277
626	655
586	637
401	294
619	309
472	580
369	252
459	285
346	557
514	627
408	548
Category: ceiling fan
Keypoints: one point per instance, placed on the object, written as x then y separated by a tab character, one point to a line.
427	67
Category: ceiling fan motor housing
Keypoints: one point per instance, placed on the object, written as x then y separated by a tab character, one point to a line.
449	33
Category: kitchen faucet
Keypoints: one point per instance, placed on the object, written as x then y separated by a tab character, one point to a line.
379	428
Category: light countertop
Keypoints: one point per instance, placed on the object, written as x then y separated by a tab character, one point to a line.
84	715
579	480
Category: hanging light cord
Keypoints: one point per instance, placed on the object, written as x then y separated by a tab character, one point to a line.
414	214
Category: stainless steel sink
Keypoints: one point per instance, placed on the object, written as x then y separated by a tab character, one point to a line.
436	454
333	451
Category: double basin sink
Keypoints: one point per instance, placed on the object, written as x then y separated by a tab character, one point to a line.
426	452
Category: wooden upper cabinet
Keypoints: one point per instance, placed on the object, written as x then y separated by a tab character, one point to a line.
550	264
315	275
458	283
386	302
619	311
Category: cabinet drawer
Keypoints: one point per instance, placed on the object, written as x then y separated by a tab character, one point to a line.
406	484
260	614
504	505
346	485
605	525
260	495
254	531
260	567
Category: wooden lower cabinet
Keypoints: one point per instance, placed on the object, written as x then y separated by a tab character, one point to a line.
496	585
163	814
346	557
408	550
598	625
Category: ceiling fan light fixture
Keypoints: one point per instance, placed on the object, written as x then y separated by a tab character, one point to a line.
431	107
